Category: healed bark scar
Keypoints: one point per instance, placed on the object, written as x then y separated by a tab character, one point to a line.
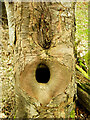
44	31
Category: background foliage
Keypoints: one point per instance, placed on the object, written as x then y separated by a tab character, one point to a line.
81	42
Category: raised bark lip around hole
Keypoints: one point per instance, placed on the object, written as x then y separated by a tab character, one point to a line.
42	73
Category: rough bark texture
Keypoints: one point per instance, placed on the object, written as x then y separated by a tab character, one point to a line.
43	33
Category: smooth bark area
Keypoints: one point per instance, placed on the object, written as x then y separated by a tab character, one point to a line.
43	33
11	21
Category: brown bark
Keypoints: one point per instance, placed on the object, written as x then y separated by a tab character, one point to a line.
83	90
44	34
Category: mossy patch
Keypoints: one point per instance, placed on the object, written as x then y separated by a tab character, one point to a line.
72	114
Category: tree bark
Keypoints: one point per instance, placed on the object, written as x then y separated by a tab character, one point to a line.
83	90
43	41
11	21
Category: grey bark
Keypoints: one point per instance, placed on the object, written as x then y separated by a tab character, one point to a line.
11	22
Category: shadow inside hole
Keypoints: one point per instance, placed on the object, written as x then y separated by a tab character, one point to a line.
42	73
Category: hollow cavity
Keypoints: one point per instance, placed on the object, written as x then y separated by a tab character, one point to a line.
42	73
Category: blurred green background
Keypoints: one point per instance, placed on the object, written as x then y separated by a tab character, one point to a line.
81	41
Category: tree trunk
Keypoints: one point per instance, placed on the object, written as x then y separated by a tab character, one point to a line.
83	90
43	41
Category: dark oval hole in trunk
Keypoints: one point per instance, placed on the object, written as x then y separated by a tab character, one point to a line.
42	73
